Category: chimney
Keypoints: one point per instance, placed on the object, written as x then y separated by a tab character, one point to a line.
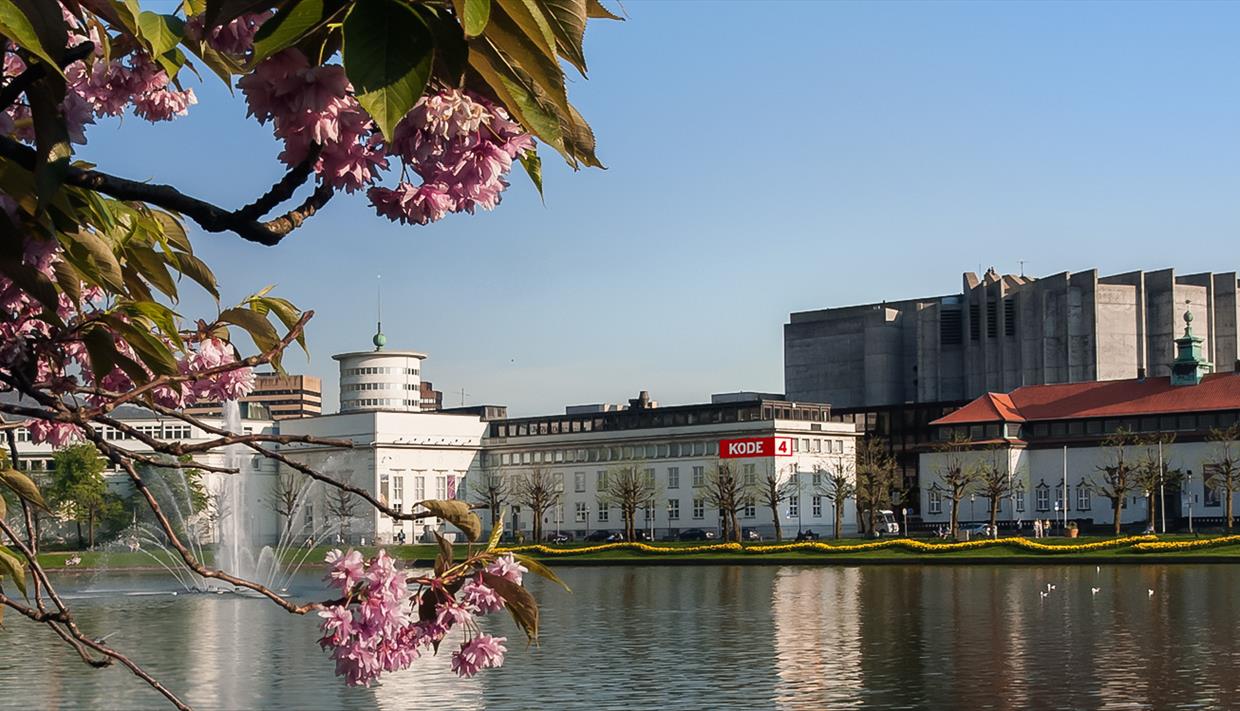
1141	374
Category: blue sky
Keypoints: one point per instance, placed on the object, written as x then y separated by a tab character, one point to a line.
762	158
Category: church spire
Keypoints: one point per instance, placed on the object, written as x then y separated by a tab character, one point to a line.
379	339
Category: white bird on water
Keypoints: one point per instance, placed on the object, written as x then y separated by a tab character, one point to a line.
1151	592
1042	595
1049	587
1095	590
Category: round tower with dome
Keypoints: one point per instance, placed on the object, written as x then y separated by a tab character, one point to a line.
380	379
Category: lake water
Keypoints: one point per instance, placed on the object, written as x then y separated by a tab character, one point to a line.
939	637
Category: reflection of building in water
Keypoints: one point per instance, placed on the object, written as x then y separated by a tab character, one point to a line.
431	682
817	636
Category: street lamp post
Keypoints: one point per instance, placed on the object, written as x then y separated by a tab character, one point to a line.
1188	483
1056	512
799	502
972	508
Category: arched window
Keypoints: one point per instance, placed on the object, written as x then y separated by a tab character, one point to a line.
1083	495
1042	497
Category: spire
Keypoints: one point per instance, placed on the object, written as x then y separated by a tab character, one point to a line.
1190	365
379	340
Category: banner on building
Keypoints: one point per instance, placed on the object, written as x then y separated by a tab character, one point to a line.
755	447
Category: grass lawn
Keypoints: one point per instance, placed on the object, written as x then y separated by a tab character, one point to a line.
565	554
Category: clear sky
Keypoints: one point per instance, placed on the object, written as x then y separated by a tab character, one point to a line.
763	157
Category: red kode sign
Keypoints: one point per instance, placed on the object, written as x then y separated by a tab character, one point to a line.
755	447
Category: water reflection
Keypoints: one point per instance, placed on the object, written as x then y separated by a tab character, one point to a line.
940	637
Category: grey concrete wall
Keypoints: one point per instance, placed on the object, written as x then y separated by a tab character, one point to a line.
1226	317
1118	343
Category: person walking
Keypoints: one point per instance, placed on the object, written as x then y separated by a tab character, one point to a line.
1037	528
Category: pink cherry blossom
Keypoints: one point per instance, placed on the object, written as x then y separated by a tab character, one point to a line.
481	596
481	652
507	567
346	569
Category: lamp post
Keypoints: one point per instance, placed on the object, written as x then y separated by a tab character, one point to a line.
972	507
1056	512
798	476
1188	483
650	517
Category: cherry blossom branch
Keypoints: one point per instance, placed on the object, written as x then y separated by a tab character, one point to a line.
283	190
210	217
36	70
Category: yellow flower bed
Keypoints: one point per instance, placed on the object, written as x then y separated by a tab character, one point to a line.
904	543
1167	546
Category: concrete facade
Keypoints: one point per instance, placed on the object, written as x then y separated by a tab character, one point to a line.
1005	331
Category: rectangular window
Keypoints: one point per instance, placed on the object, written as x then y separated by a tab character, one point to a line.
1043	498
794	505
579	481
419	488
1020	500
816	503
398	487
648	473
1009	316
699	509
673	509
603	511
600	480
582	512
935	502
975	322
750	510
749	475
673	477
817	479
1082	497
699	476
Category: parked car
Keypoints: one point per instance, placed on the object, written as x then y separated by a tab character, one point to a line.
976	530
559	538
599	536
642	535
616	537
696	534
751	534
807	535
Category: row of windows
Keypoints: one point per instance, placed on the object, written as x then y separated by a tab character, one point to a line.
629	419
379	386
161	432
1097	427
648	451
378	402
379	370
697	512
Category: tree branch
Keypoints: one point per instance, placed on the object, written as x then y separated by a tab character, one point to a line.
35	72
284	189
209	217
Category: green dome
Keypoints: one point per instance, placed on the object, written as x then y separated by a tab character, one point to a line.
379	340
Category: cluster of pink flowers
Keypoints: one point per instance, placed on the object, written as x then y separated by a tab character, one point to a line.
374	629
100	87
236	38
462	146
315	105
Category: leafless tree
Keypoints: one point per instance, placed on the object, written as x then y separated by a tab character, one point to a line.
775	488
285	495
876	478
838	486
1222	469
724	491
628	488
492	491
957	475
1119	473
342	506
994	481
1153	472
537	490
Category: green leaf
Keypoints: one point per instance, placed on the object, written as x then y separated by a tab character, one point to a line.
526	51
530	18
568	22
515	92
456	513
533	168
94	258
290	24
51	136
161	32
101	348
152	265
388	53
11	566
154	354
597	10
173	230
24	487
578	138
473	15
164	318
254	323
538	568
37	26
289	315
196	269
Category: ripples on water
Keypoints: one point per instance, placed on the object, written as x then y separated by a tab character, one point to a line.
939	637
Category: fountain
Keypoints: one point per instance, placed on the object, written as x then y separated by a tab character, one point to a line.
237	503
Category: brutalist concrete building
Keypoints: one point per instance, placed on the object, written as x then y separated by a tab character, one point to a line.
1002	332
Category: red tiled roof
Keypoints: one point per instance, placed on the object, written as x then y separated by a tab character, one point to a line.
1107	398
